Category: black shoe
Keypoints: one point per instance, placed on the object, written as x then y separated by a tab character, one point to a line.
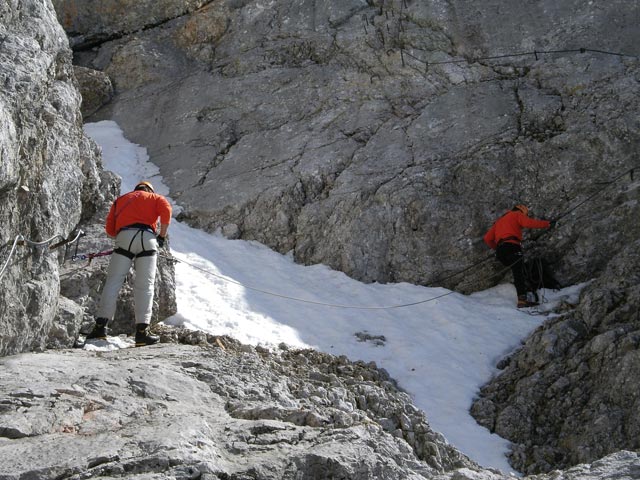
99	330
142	336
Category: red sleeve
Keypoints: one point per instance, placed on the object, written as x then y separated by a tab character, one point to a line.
164	210
533	223
490	238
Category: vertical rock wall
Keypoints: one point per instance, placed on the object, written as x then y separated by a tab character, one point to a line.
51	182
48	167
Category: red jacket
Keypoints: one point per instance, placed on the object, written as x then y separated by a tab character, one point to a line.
137	207
509	228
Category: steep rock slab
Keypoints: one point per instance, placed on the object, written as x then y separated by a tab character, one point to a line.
49	171
331	130
92	22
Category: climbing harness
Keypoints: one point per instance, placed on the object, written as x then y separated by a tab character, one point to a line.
141	228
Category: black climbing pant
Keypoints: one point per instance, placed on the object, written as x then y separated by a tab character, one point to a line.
510	255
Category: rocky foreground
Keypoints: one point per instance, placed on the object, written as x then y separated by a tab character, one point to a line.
221	410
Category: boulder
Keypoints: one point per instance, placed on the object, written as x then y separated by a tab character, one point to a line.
95	87
217	409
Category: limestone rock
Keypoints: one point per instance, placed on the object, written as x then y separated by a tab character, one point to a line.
375	137
619	465
51	187
569	395
48	169
201	410
66	325
95	87
176	411
623	464
94	21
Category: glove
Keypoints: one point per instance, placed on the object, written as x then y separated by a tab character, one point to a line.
160	241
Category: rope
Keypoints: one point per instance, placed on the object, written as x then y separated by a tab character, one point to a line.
535	53
31	243
91	256
64	242
455	274
597	192
304	300
18	239
630	171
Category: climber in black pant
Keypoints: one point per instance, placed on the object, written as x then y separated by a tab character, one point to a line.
505	236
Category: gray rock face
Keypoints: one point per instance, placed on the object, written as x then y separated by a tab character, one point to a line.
619	465
175	411
94	21
317	128
570	394
329	129
95	88
51	186
48	169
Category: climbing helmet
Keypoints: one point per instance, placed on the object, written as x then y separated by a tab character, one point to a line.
523	208
144	185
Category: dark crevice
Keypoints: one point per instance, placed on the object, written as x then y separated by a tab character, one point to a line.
98	40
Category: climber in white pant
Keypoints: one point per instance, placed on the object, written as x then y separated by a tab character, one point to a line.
135	241
133	221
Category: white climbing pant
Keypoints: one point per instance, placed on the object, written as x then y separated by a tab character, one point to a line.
134	241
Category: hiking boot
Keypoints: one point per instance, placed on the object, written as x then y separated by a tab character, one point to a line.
523	302
99	329
143	337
